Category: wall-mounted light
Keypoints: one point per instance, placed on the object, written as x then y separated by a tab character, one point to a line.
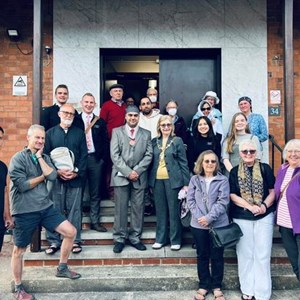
13	34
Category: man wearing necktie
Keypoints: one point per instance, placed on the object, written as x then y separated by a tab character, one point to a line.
131	154
98	148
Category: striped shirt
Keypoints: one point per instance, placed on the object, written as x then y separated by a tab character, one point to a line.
284	217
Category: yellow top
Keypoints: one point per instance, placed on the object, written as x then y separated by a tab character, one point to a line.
162	172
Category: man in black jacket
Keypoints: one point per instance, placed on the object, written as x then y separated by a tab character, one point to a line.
98	145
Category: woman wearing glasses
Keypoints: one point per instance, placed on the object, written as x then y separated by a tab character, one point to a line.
238	132
205	109
252	197
208	199
203	139
287	190
168	175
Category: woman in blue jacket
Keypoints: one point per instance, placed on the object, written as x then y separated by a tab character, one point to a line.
168	175
208	198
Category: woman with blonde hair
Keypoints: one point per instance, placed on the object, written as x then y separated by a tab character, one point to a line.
168	175
208	199
238	132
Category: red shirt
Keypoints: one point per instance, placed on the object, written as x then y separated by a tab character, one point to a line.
113	114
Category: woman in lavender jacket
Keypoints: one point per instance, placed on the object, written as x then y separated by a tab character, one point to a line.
287	191
208	198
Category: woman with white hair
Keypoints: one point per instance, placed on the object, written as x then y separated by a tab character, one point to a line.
287	191
252	197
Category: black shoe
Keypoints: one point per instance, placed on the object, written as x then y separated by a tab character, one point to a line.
118	247
194	246
139	246
148	210
98	227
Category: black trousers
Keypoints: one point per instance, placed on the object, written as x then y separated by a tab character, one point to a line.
208	279
291	243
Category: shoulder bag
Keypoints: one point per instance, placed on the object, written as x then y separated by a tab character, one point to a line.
63	158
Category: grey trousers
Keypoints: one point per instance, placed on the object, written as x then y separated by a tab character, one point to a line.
122	195
68	201
167	212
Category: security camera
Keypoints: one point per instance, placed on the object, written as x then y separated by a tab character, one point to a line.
48	49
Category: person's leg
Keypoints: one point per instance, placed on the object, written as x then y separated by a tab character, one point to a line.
174	218
94	171
121	196
202	241
17	264
217	267
262	247
245	257
161	212
137	215
73	198
292	249
58	199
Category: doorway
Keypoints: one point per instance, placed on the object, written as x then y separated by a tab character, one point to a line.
183	75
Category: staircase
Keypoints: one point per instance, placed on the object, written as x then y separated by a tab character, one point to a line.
133	270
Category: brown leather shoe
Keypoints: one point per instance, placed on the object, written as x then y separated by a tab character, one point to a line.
98	227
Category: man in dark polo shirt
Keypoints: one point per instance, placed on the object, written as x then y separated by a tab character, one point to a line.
31	206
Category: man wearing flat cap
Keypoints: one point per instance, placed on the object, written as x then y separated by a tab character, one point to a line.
131	154
113	110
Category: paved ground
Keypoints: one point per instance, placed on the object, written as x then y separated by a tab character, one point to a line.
5	293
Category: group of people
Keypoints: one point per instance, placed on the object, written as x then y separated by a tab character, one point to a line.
149	158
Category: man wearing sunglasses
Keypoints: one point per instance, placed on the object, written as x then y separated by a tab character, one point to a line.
66	192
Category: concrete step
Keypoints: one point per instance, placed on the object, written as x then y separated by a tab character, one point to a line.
104	255
152	295
140	278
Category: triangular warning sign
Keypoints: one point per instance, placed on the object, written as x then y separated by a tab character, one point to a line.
20	82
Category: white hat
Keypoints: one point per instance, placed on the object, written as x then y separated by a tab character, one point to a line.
211	94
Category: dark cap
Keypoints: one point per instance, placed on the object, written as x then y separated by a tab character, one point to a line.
132	109
116	86
245	98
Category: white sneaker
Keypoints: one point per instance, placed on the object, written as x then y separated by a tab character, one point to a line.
175	247
157	246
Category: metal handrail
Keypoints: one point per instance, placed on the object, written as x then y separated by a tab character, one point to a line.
275	145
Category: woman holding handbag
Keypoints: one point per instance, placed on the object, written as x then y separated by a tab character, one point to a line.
252	195
208	198
287	190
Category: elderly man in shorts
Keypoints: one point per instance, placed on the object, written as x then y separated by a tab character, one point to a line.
29	171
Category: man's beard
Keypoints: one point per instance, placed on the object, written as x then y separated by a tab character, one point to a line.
147	113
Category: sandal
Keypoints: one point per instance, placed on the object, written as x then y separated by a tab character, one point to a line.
76	248
218	294
201	294
246	297
52	249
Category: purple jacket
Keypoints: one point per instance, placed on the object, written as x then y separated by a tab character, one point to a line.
292	195
217	203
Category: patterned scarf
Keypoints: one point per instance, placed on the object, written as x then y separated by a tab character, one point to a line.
251	185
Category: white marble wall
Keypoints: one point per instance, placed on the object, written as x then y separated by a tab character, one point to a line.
238	27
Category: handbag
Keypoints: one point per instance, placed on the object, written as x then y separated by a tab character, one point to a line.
63	158
226	236
185	214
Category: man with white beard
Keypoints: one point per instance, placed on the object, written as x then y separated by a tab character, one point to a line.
66	192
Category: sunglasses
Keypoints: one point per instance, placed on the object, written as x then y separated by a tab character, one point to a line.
165	125
205	108
248	151
212	161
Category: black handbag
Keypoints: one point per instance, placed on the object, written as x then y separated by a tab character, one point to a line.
226	236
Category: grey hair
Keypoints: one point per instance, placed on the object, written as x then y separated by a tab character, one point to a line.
34	127
294	143
247	142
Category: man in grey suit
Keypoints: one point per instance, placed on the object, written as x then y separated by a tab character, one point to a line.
131	154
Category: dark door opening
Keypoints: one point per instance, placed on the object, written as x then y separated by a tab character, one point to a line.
180	74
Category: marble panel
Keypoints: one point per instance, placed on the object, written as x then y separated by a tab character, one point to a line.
201	7
78	68
245	23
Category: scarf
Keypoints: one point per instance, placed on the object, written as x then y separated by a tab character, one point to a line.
251	185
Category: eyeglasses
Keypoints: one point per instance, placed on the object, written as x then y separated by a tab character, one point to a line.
205	108
166	125
67	114
248	151
293	151
211	161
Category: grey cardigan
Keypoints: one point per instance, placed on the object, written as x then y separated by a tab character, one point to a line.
217	200
176	163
